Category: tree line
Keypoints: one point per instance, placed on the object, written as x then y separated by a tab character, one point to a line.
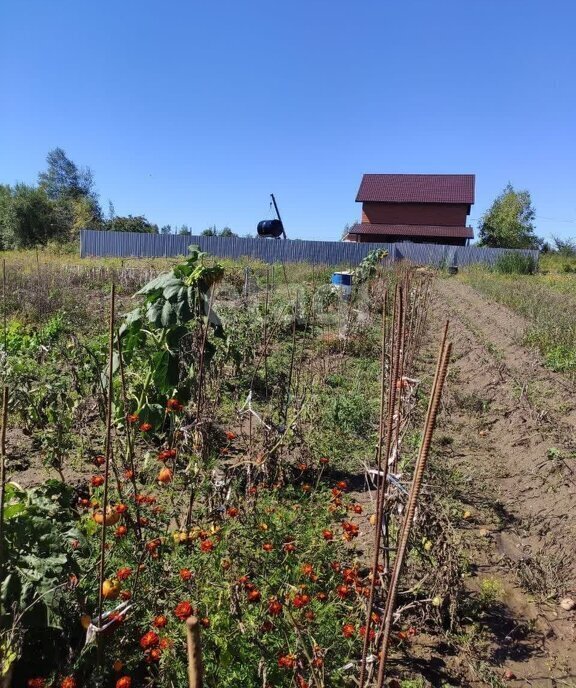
63	202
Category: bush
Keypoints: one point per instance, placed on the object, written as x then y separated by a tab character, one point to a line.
516	264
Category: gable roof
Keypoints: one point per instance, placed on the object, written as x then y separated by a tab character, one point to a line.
413	230
417	188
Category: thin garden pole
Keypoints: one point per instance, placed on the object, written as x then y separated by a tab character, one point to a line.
379	487
200	397
129	444
106	465
3	475
392	391
402	325
441	369
4	306
292	357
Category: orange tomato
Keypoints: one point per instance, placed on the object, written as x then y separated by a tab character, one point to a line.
111	589
165	475
112	517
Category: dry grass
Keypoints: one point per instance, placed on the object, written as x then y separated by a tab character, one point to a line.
547	301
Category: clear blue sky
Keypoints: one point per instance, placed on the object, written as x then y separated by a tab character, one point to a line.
193	112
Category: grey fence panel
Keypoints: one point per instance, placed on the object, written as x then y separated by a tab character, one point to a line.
132	244
446	256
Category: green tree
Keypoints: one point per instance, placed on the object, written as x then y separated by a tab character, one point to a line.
224	232
509	221
166	229
131	224
184	231
565	247
28	217
63	179
72	188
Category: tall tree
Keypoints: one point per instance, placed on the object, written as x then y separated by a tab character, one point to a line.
509	221
63	179
72	188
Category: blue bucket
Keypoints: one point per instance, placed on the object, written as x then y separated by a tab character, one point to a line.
342	279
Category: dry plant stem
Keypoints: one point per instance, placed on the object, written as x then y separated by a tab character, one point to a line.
195	669
402	325
270	335
302	356
421	462
129	445
377	532
199	396
292	357
107	464
4	307
3	476
265	331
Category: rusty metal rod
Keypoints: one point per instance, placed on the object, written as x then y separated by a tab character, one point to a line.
379	487
443	360
392	393
383	467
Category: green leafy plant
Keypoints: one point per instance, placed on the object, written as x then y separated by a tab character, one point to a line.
175	303
40	527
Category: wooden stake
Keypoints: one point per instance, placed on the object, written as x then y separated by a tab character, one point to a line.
195	672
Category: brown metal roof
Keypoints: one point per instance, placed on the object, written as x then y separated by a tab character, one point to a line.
413	230
417	188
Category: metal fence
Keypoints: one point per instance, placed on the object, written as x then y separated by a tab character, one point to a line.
134	245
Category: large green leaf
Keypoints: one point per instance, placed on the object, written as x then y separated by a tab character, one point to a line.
169	316
158	284
165	372
132	320
152	413
154	312
173	290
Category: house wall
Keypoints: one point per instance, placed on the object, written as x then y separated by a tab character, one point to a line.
392	239
415	213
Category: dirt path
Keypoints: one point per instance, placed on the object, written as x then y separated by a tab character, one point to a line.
510	426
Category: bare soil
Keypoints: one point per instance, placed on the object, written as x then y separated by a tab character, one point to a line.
508	426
